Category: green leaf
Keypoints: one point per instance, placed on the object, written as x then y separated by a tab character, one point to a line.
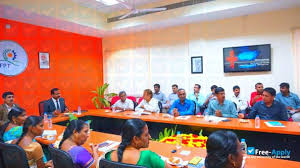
106	103
160	136
200	133
103	88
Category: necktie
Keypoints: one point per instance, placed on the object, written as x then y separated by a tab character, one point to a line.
57	106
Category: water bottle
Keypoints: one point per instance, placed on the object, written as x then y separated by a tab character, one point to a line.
45	117
49	120
244	145
206	116
79	110
178	140
257	122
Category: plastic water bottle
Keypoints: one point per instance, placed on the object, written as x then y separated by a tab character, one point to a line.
257	122
178	140
45	117
49	120
244	145
79	110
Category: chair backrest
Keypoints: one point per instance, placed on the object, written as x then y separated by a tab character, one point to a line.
195	108
140	100
61	158
132	98
13	156
160	106
41	108
104	163
114	100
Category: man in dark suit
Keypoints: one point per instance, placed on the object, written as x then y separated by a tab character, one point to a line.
56	104
8	104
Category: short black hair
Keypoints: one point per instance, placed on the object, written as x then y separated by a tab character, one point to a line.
53	90
218	90
6	94
199	86
157	85
284	84
213	87
235	87
174	85
181	90
258	84
270	90
122	92
219	146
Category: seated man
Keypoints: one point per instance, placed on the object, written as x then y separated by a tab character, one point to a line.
290	100
257	96
56	104
160	96
197	97
221	107
241	103
123	104
182	106
148	103
212	95
269	109
8	104
173	96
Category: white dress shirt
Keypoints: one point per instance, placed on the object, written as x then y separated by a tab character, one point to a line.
241	103
9	108
128	104
54	101
152	105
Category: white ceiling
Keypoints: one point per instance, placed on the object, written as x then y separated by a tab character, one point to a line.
13	13
113	8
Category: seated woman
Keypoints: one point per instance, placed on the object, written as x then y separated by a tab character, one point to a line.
135	136
223	150
13	129
74	136
33	126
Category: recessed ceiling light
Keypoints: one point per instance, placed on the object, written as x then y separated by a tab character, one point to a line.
108	2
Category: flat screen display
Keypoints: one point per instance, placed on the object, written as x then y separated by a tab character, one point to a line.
247	58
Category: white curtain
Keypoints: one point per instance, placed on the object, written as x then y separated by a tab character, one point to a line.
296	39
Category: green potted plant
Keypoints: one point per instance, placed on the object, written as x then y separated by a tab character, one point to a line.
101	99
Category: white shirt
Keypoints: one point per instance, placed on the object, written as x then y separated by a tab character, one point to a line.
54	101
128	104
241	104
151	106
9	108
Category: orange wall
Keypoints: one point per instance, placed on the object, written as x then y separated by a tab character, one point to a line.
76	66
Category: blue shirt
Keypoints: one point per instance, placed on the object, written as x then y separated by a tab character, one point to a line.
292	100
172	97
199	102
227	109
184	109
160	97
276	111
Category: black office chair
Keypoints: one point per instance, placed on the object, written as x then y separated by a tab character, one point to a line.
160	106
60	158
13	156
195	108
104	163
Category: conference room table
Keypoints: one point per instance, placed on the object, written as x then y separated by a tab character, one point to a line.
263	138
290	128
164	149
